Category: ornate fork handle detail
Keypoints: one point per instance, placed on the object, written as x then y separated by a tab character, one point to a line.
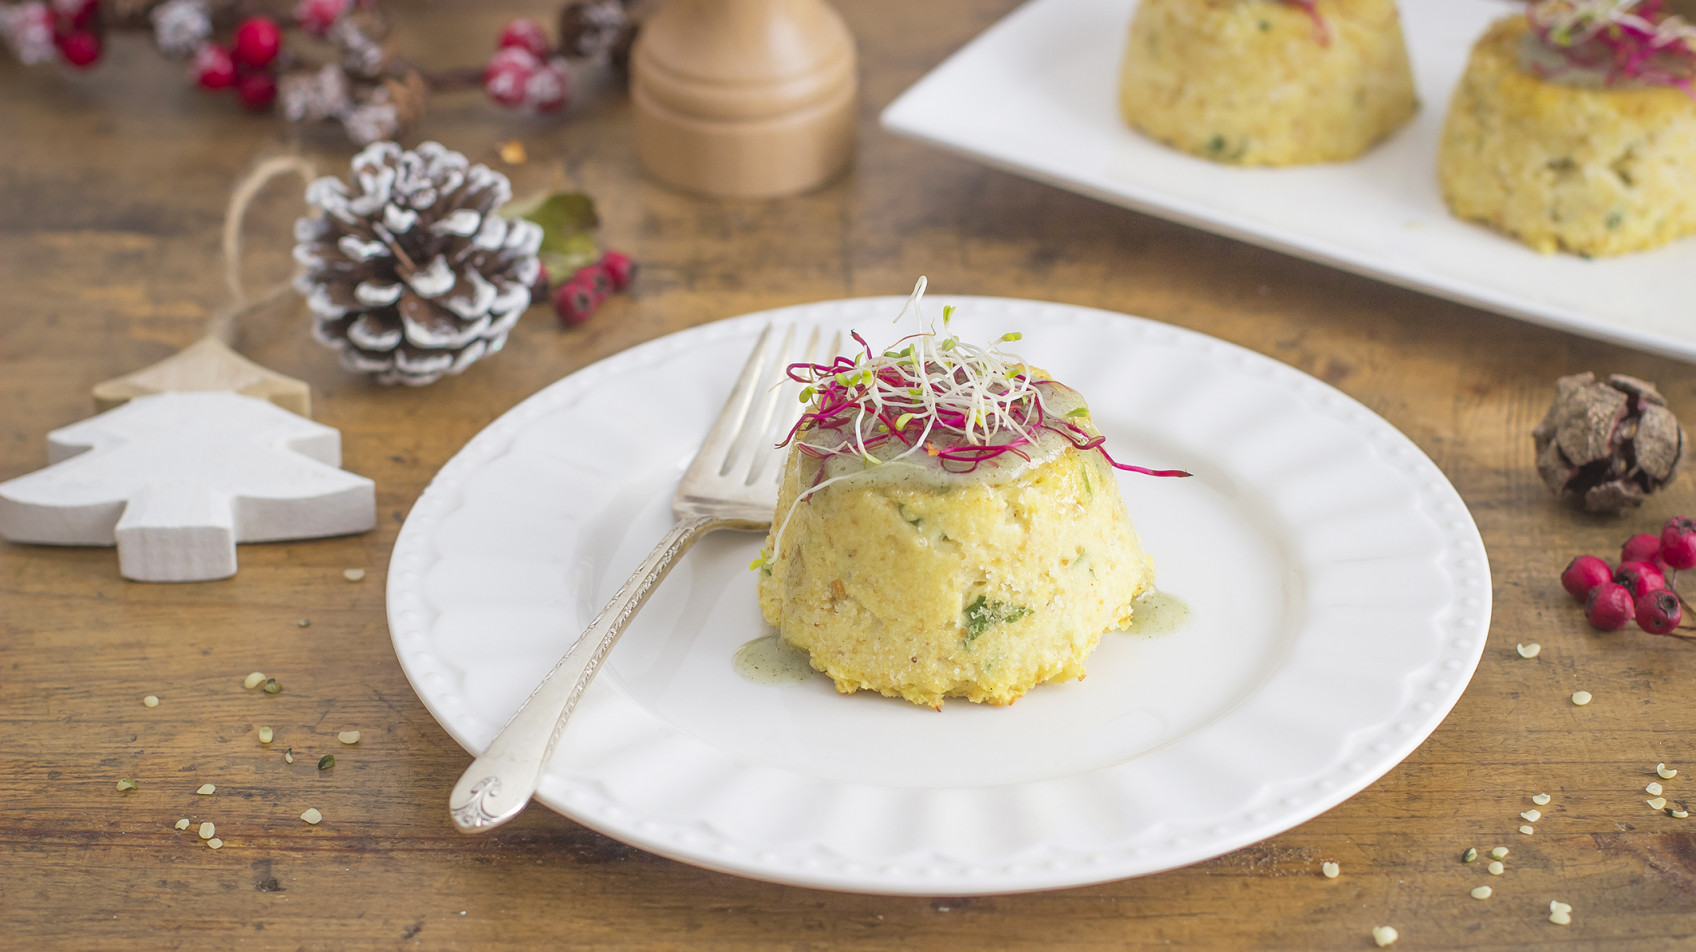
499	783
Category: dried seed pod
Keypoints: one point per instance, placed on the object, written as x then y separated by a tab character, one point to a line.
1607	446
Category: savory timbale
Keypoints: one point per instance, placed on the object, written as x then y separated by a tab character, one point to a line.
1574	128
1267	82
948	525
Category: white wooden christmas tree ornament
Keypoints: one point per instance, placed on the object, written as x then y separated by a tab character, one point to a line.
175	480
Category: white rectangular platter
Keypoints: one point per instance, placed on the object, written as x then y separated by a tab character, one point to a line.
1036	95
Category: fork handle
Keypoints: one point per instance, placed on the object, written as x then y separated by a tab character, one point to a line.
501	781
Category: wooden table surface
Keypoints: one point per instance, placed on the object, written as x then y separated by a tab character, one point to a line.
112	186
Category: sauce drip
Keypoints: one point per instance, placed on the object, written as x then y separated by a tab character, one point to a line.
771	660
1158	613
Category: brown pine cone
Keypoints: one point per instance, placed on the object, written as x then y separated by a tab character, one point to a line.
1607	446
412	272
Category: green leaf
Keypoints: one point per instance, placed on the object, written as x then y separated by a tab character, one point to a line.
557	211
568	223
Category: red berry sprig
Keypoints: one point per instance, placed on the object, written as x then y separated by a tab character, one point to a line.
361	82
577	300
1641	587
527	72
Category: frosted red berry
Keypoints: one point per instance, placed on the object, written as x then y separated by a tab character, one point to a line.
508	75
549	88
75	15
575	301
1678	542
620	270
1583	574
1659	612
1642	547
81	49
317	16
596	277
257	91
213	67
257	42
1640	578
525	34
1610	607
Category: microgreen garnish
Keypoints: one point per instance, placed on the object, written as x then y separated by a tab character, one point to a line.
956	403
972	404
1628	40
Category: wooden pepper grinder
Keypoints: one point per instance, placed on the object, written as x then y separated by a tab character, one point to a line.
744	98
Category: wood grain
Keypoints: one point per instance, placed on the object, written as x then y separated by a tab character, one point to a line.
111	195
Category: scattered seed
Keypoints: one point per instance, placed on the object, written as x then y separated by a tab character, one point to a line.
150	701
272	686
125	785
1530	650
1560	913
1678	814
1532	815
354	575
207	829
1581	698
312	816
206	790
288	756
253	680
1667	773
348	737
1470	854
266	734
182	824
1496	868
1541	799
305	623
1527	830
513	153
1653	789
1482	892
1500	852
1384	935
1657	803
215	843
326	762
1330	870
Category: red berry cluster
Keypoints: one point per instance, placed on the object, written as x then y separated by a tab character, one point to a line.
69	29
576	300
1640	588
245	65
318	16
527	72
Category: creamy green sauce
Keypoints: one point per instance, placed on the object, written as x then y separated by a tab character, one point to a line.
919	469
1158	613
771	660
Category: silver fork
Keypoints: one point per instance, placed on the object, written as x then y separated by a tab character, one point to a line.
732	484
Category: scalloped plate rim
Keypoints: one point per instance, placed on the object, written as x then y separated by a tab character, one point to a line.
416	536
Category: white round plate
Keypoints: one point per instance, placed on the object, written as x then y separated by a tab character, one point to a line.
1338	589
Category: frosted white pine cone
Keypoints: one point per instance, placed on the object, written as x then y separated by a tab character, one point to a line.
412	272
181	26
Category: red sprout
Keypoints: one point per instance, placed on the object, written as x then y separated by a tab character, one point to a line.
1628	40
